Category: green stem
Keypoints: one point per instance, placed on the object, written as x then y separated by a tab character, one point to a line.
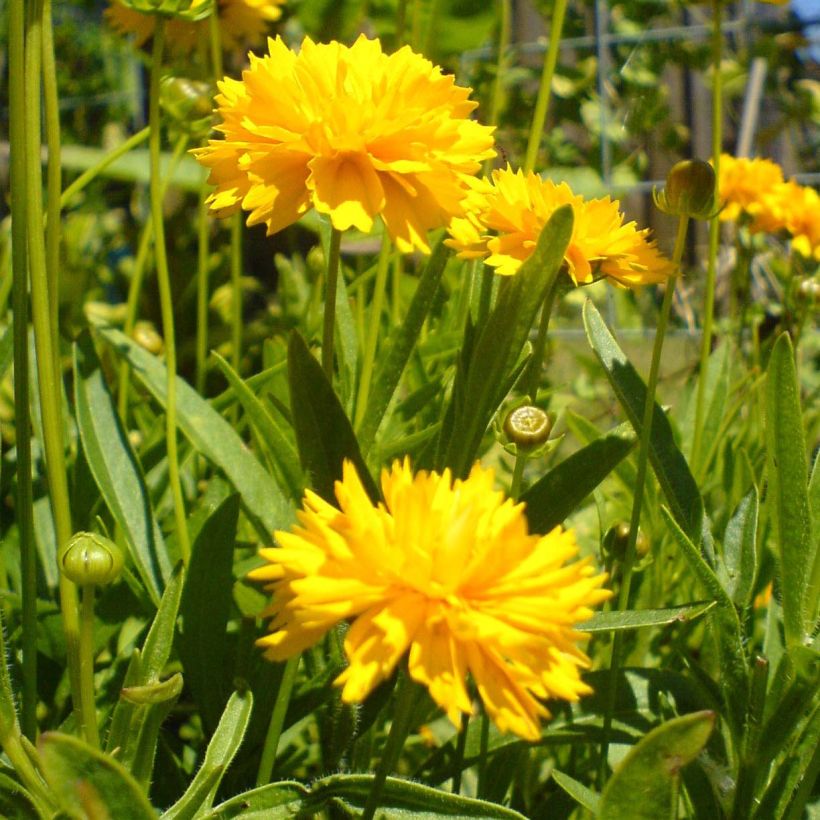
51	111
373	327
277	721
539	350
87	657
406	700
329	323
542	102
203	254
215	43
714	226
630	554
138	277
395	289
401	22
458	763
518	474
166	300
91	174
485	295
483	749
505	26
22	407
50	393
236	291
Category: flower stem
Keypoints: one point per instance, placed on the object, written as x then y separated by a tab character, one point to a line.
138	277
87	658
51	112
22	407
497	102
373	328
277	721
406	700
714	226
236	290
483	749
542	102
485	295
540	348
458	763
91	174
50	393
640	481
331	280
166	302
203	253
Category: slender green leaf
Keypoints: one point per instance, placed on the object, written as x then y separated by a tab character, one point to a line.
618	620
813	590
323	431
644	786
210	434
87	782
221	750
788	487
399	346
275	801
556	494
717	398
6	350
583	796
115	469
403	797
725	621
206	607
273	439
740	551
497	350
667	460
347	342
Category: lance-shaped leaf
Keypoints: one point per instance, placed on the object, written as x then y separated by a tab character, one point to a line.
788	489
557	493
645	785
210	434
620	620
667	460
480	390
324	433
115	469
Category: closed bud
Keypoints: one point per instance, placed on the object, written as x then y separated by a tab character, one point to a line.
527	426
146	336
689	191
90	559
617	539
808	292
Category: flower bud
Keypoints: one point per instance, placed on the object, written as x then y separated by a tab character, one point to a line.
527	426
89	559
617	539
689	191
188	104
189	10
146	336
808	292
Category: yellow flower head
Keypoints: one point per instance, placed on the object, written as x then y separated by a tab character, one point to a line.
515	207
242	23
446	573
798	206
350	131
743	184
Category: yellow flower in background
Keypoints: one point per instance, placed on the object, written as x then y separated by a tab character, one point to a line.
742	184
446	573
799	208
242	23
351	131
517	206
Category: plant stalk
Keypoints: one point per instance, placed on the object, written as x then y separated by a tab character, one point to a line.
542	101
714	225
277	721
22	406
166	299
329	321
630	554
87	657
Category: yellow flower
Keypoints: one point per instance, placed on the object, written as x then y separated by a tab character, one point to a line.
350	131
517	206
795	208
241	22
742	185
443	572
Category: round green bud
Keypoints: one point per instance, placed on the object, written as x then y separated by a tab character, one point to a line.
808	291
146	336
689	191
527	426
617	539
89	559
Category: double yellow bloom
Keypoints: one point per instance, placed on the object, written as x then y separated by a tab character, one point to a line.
446	573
